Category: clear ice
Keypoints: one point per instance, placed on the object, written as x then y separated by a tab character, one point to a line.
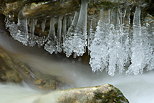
50	46
142	51
114	43
108	49
76	40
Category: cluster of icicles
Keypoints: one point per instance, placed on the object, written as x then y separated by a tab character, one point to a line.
113	44
118	46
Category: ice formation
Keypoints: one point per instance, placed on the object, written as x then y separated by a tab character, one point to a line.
18	31
114	43
109	48
77	33
50	46
142	51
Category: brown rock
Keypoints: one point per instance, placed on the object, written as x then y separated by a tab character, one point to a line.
13	70
99	94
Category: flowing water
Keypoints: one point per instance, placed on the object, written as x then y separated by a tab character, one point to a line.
138	89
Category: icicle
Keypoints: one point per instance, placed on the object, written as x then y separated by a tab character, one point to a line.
13	28
98	48
141	50
59	33
151	63
71	18
19	31
22	35
67	40
50	46
112	42
43	25
64	28
77	41
137	51
52	33
127	21
151	40
82	21
32	39
91	34
32	27
73	24
108	47
117	43
81	30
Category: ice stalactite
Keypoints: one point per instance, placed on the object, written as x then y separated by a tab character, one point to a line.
112	43
43	25
32	40
118	54
18	31
76	42
148	49
13	28
68	37
109	48
137	57
59	34
141	48
71	22
38	39
24	31
50	46
64	28
150	30
91	33
22	35
98	48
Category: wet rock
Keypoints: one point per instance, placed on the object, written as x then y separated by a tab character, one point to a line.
7	68
99	94
13	70
45	8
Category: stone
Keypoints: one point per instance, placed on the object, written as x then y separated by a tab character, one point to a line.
15	71
98	94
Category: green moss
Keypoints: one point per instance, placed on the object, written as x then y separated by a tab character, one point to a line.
113	96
